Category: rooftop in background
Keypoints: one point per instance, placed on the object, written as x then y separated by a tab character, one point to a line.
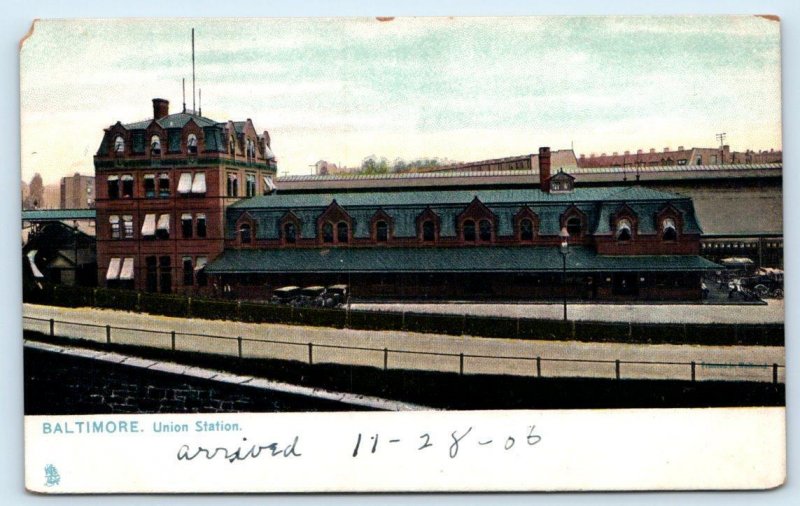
58	214
512	178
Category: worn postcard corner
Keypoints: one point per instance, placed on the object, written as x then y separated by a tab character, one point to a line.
402	254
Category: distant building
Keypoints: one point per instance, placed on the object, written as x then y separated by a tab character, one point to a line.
77	192
681	156
560	159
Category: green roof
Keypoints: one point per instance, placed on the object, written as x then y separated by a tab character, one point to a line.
429	260
59	214
178	120
445	197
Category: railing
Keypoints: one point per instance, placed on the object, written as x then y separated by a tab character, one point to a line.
386	358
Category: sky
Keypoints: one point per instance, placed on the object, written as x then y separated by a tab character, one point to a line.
458	88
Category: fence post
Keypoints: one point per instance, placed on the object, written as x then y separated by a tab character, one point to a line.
538	367
239	342
52	327
693	372
385	359
172	338
774	374
238	310
310	353
461	364
108	334
616	364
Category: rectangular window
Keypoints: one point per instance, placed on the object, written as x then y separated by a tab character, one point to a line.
250	180
162	229
185	183
149	226
188	271
151	274
113	187
165	274
201	225
202	278
149	186
199	183
186	225
174	138
127	185
163	185
127	222
233	185
115	230
137	139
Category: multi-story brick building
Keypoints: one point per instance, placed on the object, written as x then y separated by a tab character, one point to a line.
625	242
162	187
667	157
77	192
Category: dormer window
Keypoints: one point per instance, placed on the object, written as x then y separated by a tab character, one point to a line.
469	231
289	233
155	145
485	230
669	231
526	229
574	226
327	233
245	233
429	231
119	144
191	143
342	232
382	231
624	230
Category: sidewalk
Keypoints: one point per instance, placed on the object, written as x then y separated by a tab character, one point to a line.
772	312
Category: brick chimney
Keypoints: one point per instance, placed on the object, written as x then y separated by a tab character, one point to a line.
160	108
544	169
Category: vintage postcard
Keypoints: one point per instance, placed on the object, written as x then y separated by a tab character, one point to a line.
402	254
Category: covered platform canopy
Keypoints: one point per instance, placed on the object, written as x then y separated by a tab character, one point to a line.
445	260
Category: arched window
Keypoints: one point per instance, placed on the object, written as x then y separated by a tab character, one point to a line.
382	231
245	235
624	230
669	231
342	232
191	143
574	226
429	231
155	145
327	233
526	230
485	230
289	233
469	230
119	144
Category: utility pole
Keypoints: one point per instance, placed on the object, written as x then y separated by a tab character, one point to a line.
721	139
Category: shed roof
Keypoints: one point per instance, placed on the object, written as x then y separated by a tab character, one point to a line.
430	260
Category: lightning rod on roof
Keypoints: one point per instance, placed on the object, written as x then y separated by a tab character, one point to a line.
200	101
193	93
183	84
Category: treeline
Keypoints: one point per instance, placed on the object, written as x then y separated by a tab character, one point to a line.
375	165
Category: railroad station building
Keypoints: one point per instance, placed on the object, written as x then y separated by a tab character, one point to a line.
490	242
162	187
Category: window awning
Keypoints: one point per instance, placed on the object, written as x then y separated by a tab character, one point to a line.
113	178
186	216
163	222
185	183
201	262
113	269
233	177
36	272
201	216
113	219
126	272
199	184
149	176
269	184
149	225
127	177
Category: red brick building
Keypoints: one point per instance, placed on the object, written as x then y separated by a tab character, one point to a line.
162	187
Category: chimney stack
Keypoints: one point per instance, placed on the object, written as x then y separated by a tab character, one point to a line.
680	148
652	150
160	108
666	149
627	153
544	169
639	151
615	153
